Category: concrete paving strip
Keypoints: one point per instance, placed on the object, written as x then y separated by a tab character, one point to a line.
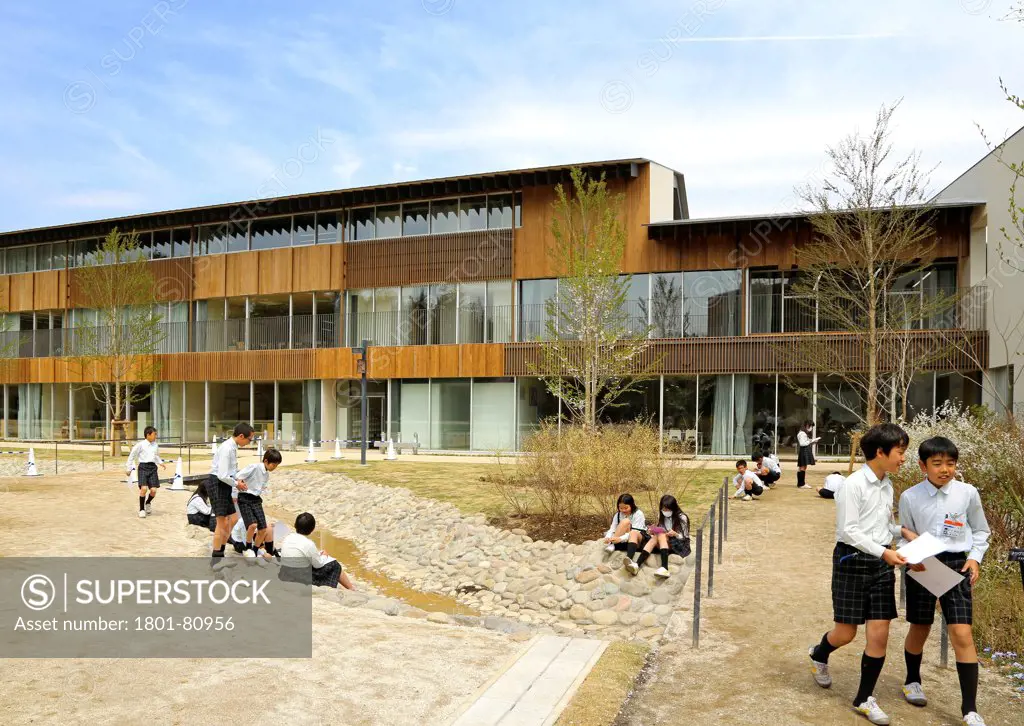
537	686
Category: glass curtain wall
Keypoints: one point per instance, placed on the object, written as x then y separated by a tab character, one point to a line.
493	414
449	414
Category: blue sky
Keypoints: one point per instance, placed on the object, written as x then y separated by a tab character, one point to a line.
114	108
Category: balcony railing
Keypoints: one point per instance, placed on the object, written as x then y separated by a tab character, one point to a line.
692	318
438	325
944	309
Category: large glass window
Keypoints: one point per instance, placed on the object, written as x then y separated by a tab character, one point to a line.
840	410
638	304
43	258
795	407
270	233
472	316
535	404
360	316
414	413
666	305
328	227
362	224
269	322
413	321
161	244
291	405
303	230
715	415
182	240
711	303
195	412
499	211
328	319
444	216
533	296
302	320
450	414
679	415
416	218
386	316
499	311
493	415
443	299
755	414
389	221
263	409
21	259
472	213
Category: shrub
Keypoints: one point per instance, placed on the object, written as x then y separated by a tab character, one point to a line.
576	473
991	456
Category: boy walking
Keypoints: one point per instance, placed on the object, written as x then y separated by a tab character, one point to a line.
220	486
863	580
256	478
146	454
950	510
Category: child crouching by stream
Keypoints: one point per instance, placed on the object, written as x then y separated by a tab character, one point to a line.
299	554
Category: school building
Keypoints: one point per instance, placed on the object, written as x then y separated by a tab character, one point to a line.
262	301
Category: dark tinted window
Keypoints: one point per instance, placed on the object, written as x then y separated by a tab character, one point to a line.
416	218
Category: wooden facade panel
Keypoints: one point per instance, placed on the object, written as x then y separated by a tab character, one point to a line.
485	360
21	293
534	236
5	293
174	279
337	267
46	291
458	257
208	276
260	365
275	271
311	268
242	274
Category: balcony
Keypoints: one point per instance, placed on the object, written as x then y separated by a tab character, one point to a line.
433	325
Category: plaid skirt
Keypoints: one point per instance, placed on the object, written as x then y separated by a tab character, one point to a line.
250	507
805	457
327	576
148	475
203	520
220	497
957	604
863	586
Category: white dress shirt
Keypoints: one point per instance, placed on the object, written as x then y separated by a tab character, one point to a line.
238	531
297	550
834	482
196	505
225	462
864	512
256	478
636	521
740	480
144	452
953	514
804	440
772	463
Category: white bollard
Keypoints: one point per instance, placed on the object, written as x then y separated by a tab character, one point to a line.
179	482
31	470
311	456
337	449
259	448
213	447
391	456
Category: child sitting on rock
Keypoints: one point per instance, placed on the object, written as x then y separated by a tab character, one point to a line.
299	554
628	531
670	537
198	510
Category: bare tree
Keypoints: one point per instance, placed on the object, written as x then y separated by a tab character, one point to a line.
595	346
862	272
121	348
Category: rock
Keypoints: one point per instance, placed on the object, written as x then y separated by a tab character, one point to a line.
628	618
648	620
411	612
484	564
587	576
578	612
675	560
651	633
592	585
609	588
437	618
565	604
604	569
521	637
520	532
663	611
661	596
547	602
559	593
581	597
500	587
606	617
623	603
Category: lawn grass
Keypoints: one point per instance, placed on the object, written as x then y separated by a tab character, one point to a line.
600	696
464	485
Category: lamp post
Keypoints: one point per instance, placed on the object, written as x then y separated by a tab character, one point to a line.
361	351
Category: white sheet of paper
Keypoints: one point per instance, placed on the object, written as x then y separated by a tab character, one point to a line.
281	530
925	546
937	578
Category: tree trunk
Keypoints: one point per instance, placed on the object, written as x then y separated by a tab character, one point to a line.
116	429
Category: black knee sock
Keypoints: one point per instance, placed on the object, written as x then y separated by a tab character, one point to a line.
630	550
824	650
801	478
913	667
664	558
218	552
643	558
142	503
968	675
268	545
870	669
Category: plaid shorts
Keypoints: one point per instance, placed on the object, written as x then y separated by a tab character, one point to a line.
957	604
863	587
220	497
251	509
327	576
148	475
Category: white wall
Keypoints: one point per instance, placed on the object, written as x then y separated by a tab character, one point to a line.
989	180
662	187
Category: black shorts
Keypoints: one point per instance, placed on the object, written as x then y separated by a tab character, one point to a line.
220	497
826	494
251	509
202	520
863	586
148	475
957	604
771	477
644	537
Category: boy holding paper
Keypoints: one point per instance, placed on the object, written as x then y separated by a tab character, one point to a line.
951	511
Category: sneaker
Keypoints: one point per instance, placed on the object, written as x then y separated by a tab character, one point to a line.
974	719
821	674
221	564
142	514
738	495
662	572
249	554
610	548
149	507
914	694
870	710
631	566
747	498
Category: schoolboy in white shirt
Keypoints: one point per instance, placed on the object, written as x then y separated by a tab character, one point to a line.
950	510
221	486
748	484
767	469
833	483
250	502
147	454
863	580
298	554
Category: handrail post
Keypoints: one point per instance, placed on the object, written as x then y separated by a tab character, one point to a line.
721	520
696	589
725	508
711	554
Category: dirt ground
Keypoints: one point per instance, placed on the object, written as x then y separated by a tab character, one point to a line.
772	600
367	668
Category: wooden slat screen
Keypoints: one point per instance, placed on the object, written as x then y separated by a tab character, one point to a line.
455	257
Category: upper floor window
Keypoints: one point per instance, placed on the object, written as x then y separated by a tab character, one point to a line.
460	214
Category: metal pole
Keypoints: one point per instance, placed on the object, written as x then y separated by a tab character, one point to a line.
725	508
711	554
944	644
721	520
55	471
696	589
362	455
